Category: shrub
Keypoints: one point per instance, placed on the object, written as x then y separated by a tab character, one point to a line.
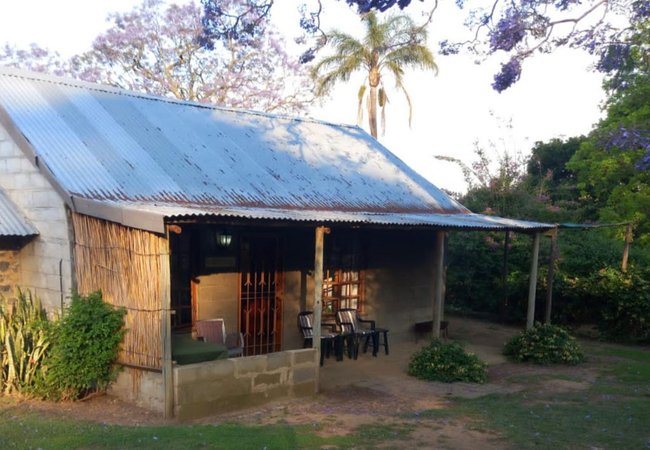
544	344
86	345
625	307
447	362
24	342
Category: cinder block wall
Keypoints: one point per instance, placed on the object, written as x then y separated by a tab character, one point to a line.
227	385
9	273
399	280
299	250
142	388
39	260
218	297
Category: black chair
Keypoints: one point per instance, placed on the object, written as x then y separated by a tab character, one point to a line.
351	324
306	326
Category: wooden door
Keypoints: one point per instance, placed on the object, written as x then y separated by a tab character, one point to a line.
261	293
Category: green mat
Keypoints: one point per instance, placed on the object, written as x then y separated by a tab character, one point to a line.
186	350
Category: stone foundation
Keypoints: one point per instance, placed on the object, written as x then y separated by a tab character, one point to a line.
9	273
226	385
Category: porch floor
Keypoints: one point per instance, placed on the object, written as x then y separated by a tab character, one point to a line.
387	374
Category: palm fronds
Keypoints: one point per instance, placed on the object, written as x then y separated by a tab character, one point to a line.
389	46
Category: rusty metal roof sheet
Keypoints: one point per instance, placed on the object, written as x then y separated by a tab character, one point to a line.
110	146
437	220
12	221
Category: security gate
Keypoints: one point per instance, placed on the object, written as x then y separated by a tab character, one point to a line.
261	292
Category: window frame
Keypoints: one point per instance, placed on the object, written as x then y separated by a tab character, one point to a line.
343	284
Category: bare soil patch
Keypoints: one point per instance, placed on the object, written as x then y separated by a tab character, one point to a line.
372	394
103	409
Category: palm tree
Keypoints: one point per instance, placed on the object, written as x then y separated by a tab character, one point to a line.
388	47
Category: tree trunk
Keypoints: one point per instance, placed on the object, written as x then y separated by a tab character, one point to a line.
372	111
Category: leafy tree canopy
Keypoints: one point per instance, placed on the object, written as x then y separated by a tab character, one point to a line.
154	49
517	28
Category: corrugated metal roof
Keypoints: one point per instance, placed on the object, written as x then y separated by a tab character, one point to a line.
112	146
438	220
12	221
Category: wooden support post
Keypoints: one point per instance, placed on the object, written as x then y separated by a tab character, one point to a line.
532	285
626	249
166	332
503	310
438	283
318	284
549	278
318	294
444	276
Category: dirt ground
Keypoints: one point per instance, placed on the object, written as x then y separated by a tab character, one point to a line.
372	392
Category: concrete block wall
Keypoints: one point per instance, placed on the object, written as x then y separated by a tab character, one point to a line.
35	196
299	250
9	273
139	387
226	385
399	280
218	296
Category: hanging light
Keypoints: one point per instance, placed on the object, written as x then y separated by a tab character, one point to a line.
224	239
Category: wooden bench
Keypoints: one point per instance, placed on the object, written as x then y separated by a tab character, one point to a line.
427	328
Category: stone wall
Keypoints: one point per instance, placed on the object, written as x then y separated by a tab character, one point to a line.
226	385
9	273
33	194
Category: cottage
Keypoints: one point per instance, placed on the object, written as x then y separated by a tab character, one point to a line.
181	212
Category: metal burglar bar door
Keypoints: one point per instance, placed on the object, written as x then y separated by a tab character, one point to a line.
261	292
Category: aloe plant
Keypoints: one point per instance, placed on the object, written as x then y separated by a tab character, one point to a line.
23	341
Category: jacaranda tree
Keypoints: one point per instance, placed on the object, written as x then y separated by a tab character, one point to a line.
155	49
516	28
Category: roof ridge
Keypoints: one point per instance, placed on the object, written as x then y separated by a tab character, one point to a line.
82	84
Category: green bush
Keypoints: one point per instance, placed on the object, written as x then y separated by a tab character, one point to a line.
24	342
625	304
86	344
447	362
544	344
475	273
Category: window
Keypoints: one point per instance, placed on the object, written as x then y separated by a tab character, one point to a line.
343	274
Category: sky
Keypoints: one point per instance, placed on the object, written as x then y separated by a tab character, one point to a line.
558	95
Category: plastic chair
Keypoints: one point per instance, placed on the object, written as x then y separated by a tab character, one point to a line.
214	330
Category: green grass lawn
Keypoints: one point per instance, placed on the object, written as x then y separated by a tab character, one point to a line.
29	431
613	412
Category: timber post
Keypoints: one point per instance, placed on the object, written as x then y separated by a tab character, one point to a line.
532	284
626	249
318	290
166	332
503	309
439	280
549	278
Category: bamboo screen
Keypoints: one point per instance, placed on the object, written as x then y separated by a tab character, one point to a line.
124	263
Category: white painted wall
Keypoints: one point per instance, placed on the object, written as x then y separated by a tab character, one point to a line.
39	260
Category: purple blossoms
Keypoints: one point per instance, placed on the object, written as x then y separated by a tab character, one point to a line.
509	31
632	140
641	9
509	74
365	6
